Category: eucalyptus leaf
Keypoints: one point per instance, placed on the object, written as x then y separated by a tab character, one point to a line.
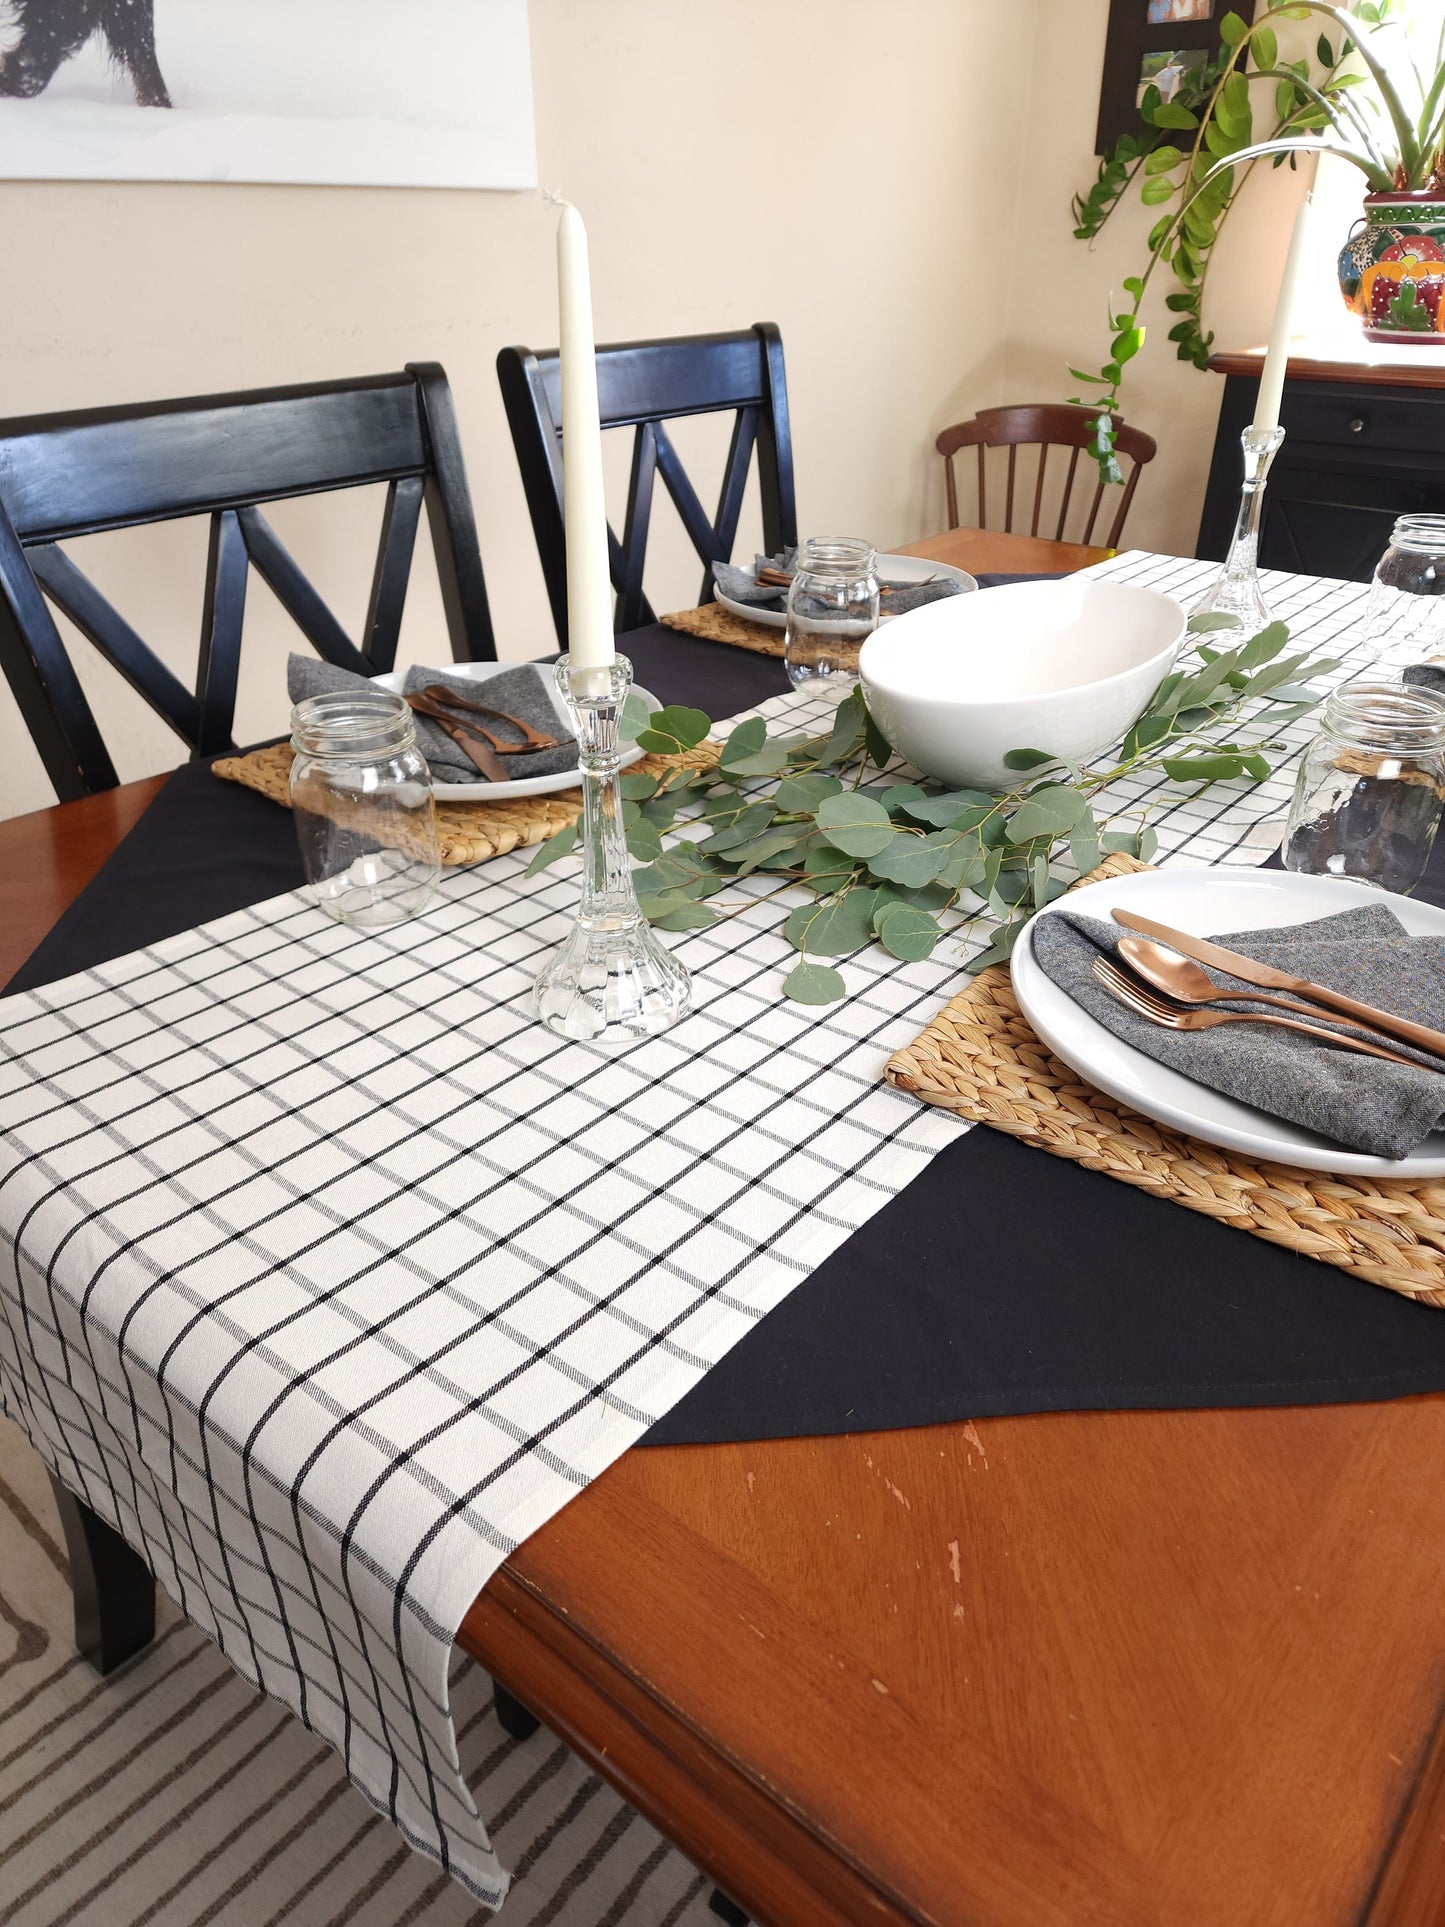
908	934
685	914
633	716
1028	758
949	810
771	760
557	845
744	740
999	951
674	729
799	795
834	928
1052	810
826	869
770	844
662	810
909	860
739	828
636	785
855	824
810	983
644	842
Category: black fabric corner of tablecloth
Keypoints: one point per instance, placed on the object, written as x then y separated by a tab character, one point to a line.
1002	1280
205	847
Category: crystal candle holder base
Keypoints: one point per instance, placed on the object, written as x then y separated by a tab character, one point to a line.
613	979
1235	591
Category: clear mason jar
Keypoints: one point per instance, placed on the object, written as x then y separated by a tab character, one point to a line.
832	609
1405	615
362	795
1370	788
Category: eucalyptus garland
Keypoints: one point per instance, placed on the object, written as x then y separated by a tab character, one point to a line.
907	864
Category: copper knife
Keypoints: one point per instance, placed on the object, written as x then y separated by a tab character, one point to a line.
1250	972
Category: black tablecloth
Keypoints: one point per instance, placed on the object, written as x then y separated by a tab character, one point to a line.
1002	1280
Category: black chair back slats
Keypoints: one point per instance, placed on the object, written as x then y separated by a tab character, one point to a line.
64	476
643	385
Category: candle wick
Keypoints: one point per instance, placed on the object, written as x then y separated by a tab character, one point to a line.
554	197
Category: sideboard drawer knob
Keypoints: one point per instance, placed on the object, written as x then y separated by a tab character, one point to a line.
1357	426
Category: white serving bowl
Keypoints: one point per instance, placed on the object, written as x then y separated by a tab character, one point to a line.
1063	666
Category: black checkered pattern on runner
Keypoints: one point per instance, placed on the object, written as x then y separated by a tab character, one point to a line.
330	1276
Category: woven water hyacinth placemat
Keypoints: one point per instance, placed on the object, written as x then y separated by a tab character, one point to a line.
715	624
980	1058
469	832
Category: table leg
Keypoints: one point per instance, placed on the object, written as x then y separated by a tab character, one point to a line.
512	1716
115	1595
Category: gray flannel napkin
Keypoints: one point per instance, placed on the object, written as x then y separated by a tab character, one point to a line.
1362	1102
520	692
1426	675
741	585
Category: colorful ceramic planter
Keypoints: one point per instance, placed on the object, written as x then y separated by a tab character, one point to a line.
1392	269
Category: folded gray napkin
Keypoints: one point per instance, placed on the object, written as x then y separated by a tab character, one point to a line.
742	585
520	692
1362	1102
1426	675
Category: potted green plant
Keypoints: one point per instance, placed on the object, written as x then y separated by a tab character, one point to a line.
1365	96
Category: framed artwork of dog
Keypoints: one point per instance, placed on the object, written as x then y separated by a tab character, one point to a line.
426	93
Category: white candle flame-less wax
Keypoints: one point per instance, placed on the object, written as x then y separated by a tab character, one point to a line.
589	586
1276	361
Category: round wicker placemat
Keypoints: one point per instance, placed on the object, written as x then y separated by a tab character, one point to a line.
715	624
980	1058
469	832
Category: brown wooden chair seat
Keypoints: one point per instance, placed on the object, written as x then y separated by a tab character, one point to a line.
1045	425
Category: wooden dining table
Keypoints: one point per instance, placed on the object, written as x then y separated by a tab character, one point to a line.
1104	1667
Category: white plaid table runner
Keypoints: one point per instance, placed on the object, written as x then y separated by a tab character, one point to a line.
329	1276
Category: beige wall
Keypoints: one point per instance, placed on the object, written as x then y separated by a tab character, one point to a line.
832	165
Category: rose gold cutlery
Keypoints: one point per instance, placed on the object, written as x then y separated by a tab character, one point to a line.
1250	972
1147	1003
1189	983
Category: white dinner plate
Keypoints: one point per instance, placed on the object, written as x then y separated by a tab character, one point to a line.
480	792
1206	902
891	568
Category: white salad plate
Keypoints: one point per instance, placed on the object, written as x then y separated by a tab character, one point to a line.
902	569
482	792
1208	902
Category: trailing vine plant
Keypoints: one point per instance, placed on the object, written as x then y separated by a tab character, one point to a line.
1194	151
906	864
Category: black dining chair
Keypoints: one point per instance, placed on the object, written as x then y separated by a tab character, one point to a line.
643	385
63	476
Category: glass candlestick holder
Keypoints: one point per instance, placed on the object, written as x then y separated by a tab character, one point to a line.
613	979
1235	591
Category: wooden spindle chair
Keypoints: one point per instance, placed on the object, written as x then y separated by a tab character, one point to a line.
1047	426
82	473
643	385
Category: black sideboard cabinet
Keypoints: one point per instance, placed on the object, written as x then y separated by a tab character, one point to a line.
1364	442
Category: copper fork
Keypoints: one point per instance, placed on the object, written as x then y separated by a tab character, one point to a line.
1148	1004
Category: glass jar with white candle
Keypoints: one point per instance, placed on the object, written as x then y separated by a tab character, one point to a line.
1405	615
1371	786
832	610
365	819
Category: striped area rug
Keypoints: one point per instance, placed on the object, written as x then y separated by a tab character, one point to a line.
174	1795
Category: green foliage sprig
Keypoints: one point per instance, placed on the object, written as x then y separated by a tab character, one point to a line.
1193	153
906	864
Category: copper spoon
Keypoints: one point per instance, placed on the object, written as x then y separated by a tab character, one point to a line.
1155	1009
1189	983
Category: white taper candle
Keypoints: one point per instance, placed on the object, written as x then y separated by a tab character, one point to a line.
1276	360
589	585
